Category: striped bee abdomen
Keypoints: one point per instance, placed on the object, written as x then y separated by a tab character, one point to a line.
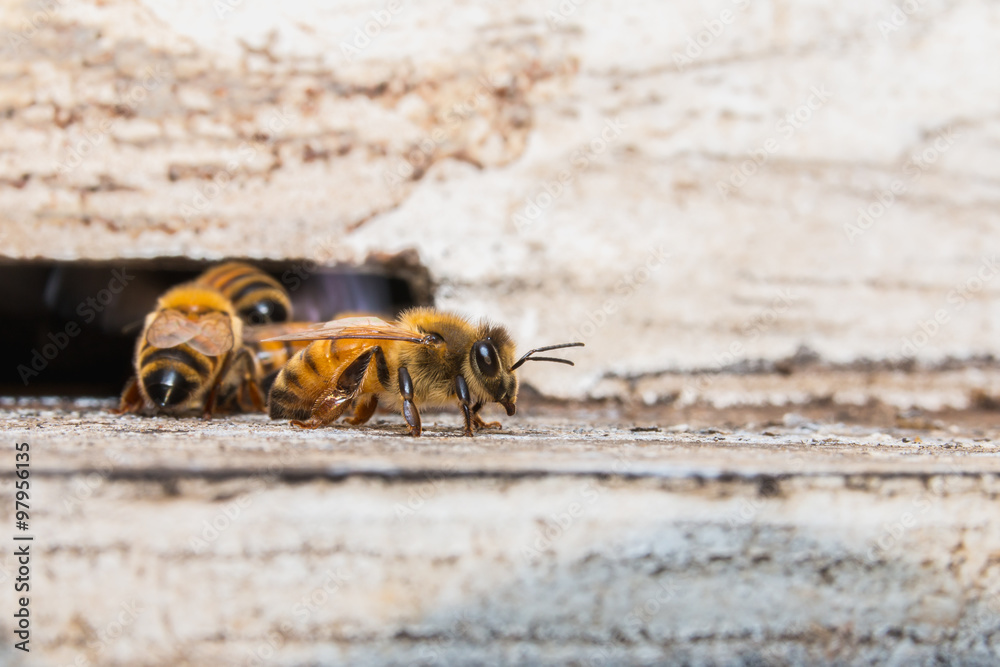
324	371
294	389
257	297
272	356
172	376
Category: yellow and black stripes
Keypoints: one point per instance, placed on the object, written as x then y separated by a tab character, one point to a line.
186	347
298	384
257	297
424	358
305	381
172	377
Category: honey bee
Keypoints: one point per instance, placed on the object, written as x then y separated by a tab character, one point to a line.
189	352
257	297
427	356
272	354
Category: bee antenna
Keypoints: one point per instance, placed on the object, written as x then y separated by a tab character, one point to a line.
527	356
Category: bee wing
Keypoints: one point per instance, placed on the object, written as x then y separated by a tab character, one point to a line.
210	334
170	328
261	332
215	334
371	328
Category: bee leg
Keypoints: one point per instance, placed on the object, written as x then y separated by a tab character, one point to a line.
249	383
326	410
478	422
347	387
256	396
464	399
410	413
131	400
364	411
211	401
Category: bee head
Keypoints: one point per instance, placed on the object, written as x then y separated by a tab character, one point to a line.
490	360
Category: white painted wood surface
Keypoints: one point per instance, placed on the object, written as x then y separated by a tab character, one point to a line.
248	542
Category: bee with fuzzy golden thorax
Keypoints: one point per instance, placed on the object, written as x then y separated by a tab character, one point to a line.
189	353
426	357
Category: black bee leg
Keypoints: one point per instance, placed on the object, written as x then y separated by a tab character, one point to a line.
382	369
465	399
478	422
410	413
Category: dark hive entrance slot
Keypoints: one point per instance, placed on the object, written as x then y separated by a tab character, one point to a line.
69	328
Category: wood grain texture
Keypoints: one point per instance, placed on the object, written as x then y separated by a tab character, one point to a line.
173	541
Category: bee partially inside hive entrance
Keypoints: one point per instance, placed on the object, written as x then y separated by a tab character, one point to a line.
69	328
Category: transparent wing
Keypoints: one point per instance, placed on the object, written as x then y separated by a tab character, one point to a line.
170	328
210	334
215	335
368	328
262	332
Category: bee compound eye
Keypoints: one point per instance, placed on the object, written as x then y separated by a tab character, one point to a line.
484	356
